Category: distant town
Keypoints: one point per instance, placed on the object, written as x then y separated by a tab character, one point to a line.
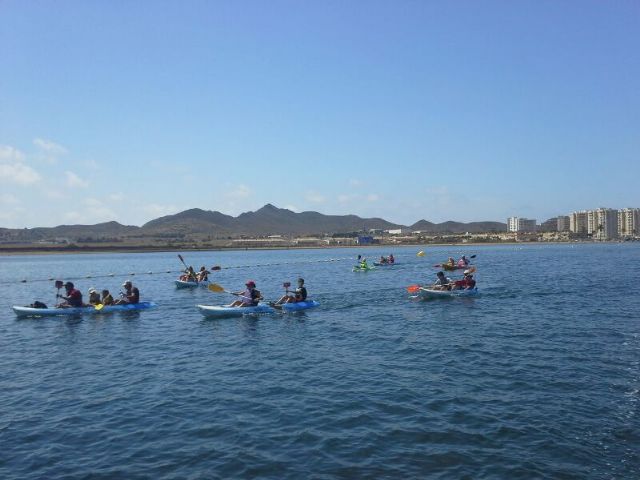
601	224
272	227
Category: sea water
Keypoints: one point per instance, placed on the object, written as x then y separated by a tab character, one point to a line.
537	377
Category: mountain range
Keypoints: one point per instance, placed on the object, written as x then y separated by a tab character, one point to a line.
268	220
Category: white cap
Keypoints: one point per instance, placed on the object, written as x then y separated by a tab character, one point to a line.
128	282
93	290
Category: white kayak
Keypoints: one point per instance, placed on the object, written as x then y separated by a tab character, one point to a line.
191	284
427	292
47	312
223	311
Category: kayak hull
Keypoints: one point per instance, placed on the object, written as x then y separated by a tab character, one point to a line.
378	264
361	269
299	306
192	284
431	293
225	311
50	312
451	268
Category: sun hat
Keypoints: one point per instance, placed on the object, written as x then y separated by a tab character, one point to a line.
128	282
93	290
468	272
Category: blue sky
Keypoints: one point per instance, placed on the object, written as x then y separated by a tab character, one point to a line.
407	110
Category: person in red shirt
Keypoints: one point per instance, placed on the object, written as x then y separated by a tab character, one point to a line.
73	297
467	283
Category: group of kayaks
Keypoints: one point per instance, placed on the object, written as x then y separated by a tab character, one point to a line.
221	311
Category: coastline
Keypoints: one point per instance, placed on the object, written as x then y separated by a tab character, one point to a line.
66	250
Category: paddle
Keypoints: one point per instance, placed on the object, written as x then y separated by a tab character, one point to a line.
186	270
58	285
214	287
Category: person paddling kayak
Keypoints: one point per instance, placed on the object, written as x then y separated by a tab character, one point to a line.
73	297
299	294
467	282
131	294
249	297
443	282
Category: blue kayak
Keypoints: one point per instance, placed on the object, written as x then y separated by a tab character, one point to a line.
47	312
298	306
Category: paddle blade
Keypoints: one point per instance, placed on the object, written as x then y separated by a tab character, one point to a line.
286	284
214	287
98	306
413	288
216	267
59	284
472	256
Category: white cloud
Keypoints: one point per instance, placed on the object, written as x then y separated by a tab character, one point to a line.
346	198
293	208
8	199
74	181
373	197
355	182
315	197
10	154
18	173
13	170
48	151
97	211
50	147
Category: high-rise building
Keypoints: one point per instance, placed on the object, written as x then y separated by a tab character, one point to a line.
578	222
628	222
517	224
606	223
563	223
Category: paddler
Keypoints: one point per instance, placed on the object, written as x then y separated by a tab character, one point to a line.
467	282
107	298
94	297
73	297
391	259
450	263
299	294
443	282
203	274
249	297
131	294
463	262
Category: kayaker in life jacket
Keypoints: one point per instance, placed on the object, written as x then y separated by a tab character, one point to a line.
131	294
383	259
450	262
299	294
73	297
107	298
249	297
463	262
203	274
443	282
94	297
467	282
391	259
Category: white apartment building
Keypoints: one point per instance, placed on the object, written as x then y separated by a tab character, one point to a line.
578	222
564	223
606	223
628	222
592	222
517	224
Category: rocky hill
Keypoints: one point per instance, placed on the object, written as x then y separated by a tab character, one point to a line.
269	220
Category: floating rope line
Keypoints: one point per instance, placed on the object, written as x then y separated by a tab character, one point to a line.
174	272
